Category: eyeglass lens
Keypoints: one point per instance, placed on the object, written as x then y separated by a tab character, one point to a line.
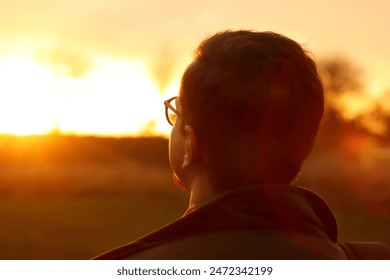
171	116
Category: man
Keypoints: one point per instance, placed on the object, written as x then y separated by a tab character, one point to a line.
246	117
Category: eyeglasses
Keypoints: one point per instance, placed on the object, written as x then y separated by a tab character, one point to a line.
170	111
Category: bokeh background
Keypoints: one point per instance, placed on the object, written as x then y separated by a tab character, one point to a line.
83	136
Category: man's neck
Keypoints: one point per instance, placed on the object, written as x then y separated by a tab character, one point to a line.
201	193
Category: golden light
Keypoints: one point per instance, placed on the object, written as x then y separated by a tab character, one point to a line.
25	97
114	97
353	105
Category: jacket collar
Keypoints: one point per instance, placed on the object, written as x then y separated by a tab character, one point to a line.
278	208
285	208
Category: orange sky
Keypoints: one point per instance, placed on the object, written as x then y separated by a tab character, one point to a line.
92	66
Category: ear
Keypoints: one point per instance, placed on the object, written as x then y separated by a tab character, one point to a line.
192	151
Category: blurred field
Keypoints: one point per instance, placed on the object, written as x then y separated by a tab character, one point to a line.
72	198
92	209
357	189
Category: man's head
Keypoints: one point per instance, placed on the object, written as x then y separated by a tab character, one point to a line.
254	102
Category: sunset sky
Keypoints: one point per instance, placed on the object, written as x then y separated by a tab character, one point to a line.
105	66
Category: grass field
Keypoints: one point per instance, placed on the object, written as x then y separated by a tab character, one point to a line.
75	209
88	209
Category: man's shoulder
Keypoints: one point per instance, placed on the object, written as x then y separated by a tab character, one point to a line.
230	244
260	223
249	223
366	250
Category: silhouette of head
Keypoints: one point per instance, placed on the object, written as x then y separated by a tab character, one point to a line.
255	102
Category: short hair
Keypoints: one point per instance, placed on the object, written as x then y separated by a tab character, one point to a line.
255	102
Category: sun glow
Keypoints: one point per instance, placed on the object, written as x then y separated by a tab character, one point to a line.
25	97
114	97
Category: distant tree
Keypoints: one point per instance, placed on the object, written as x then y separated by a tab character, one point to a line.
339	77
387	125
385	116
162	67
